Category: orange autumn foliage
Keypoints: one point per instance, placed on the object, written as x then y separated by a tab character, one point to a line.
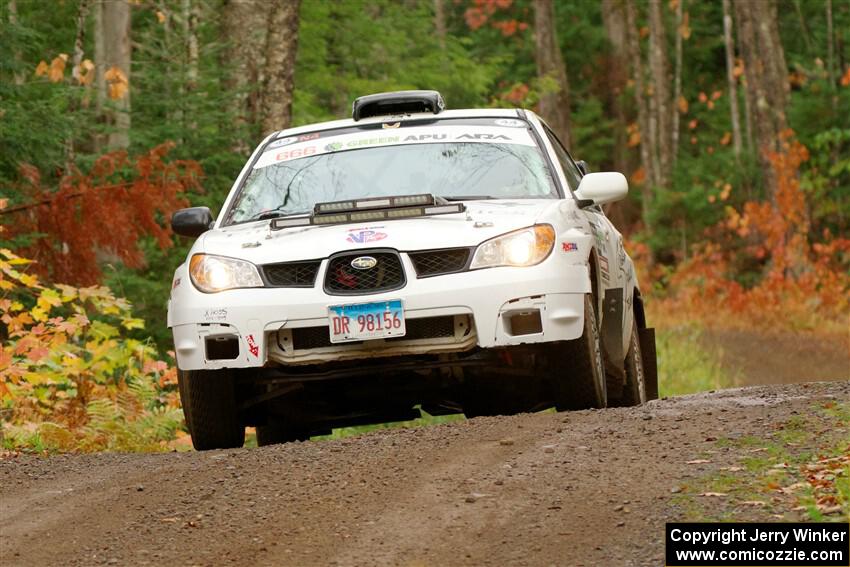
798	281
102	213
70	376
482	12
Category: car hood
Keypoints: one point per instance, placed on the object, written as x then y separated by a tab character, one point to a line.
482	220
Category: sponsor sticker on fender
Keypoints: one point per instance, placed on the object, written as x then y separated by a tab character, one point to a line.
417	135
253	347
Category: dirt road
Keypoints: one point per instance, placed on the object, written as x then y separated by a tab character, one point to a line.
583	488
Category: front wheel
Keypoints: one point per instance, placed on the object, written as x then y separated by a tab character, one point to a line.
209	406
578	369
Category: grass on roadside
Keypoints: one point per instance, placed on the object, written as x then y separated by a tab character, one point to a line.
798	472
426	419
686	365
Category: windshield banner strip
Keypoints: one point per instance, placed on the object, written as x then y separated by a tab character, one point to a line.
420	135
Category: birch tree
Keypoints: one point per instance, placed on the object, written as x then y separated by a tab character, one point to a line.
112	61
765	70
660	98
645	145
731	79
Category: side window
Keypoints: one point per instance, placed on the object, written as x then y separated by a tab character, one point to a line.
571	172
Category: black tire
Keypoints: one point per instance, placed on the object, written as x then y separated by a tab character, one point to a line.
578	368
634	390
276	433
181	388
209	406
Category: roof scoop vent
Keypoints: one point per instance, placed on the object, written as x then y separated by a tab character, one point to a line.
399	102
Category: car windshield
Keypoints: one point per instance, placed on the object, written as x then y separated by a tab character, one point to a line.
473	162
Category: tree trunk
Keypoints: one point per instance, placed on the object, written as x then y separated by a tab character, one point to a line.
244	44
76	60
18	77
830	56
440	23
766	74
113	50
614	19
731	80
803	27
677	80
659	68
555	101
191	17
643	114
748	114
281	48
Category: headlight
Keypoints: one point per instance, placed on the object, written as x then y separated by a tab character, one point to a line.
525	247
212	274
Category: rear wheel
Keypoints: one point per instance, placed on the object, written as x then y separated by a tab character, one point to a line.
634	390
578	370
209	405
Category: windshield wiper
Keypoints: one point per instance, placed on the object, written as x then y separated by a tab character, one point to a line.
272	214
466	197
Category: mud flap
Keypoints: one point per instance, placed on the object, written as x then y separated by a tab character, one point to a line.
612	326
650	362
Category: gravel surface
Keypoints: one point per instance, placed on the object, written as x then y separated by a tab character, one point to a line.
580	488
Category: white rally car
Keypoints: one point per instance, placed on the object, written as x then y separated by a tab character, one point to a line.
409	258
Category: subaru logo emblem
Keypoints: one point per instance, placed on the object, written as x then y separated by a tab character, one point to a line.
364	263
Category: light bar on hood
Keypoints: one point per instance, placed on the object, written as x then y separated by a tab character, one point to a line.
374	203
368	216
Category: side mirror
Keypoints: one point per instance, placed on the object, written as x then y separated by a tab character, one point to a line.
583	167
601	188
193	221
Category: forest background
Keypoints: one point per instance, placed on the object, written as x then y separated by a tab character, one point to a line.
731	119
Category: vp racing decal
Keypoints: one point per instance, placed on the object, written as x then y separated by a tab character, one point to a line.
358	236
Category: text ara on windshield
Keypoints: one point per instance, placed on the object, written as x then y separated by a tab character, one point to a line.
407	259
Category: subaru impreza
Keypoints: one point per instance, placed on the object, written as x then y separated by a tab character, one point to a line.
408	259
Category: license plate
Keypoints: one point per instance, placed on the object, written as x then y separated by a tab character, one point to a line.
365	321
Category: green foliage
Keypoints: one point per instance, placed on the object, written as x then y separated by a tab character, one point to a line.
70	378
826	179
347	49
686	365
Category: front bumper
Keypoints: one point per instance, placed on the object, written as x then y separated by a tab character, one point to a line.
484	308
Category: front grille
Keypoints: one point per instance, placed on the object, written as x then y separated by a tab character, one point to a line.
427	328
312	337
342	278
423	328
292	274
439	262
